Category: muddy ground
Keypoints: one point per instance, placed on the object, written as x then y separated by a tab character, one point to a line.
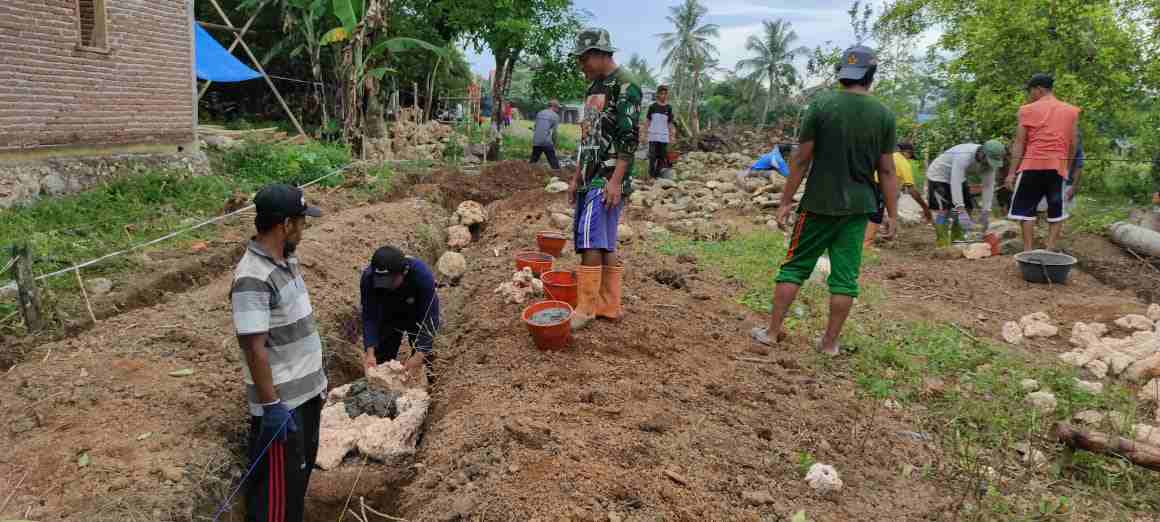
650	418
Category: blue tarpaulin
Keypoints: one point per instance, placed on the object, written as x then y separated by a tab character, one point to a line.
215	63
772	161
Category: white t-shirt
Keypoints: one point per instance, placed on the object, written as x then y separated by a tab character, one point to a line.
952	167
659	116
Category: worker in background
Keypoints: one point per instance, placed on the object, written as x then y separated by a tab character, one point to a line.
947	189
285	380
1044	144
660	130
398	299
544	134
845	136
905	176
609	140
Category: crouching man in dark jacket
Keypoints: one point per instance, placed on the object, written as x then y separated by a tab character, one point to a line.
398	298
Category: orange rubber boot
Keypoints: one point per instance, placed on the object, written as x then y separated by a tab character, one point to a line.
610	293
588	295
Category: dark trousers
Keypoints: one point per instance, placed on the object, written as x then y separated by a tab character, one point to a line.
277	486
548	151
392	340
658	157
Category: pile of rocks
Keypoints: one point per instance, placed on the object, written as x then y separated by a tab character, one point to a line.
379	416
522	286
469	218
692	201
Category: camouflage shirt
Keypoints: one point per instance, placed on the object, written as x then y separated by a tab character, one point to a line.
611	115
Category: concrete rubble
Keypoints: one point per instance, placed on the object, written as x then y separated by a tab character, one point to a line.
380	438
522	287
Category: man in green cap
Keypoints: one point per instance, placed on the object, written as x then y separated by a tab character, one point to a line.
846	135
946	182
609	137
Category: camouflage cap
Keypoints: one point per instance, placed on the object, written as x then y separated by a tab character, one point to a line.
591	38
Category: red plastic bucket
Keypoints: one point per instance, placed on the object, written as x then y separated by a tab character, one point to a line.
537	261
551	243
560	286
552	335
993	241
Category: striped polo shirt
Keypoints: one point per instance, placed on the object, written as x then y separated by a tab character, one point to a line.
271	298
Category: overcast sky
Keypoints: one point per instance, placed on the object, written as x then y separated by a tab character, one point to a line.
634	25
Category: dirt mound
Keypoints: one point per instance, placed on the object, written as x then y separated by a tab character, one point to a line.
101	429
497	181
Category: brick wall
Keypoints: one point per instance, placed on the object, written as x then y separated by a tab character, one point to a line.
52	93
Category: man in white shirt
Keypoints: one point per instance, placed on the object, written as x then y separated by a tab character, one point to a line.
946	181
660	130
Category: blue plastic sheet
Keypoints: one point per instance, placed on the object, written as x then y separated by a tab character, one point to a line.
215	63
772	161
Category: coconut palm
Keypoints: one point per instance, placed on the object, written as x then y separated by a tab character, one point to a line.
771	59
688	47
641	73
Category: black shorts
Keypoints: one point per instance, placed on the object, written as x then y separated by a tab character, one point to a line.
938	196
1030	187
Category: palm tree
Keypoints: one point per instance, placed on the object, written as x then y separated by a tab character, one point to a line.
640	71
772	58
688	47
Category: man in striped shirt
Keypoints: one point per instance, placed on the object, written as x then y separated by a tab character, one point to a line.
285	380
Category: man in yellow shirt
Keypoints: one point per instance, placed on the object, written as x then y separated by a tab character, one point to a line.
902	169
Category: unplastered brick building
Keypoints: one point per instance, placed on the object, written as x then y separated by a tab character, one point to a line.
91	89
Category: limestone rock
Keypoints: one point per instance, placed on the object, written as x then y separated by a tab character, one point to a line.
1074	358
1098	368
948	253
1010	247
1037	317
1090	417
53	185
1146	433
470	213
389	376
823	478
1040	330
1029	385
665	184
1143	369
556	187
1089	386
1012	333
1004	229
1154	312
458	236
625	233
522	286
1044	401
1083	336
388	439
452	265
1118	362
1135	322
98	286
977	251
562	221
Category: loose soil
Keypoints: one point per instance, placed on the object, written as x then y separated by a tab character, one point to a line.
651	417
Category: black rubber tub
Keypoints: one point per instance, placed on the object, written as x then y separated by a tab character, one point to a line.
1042	266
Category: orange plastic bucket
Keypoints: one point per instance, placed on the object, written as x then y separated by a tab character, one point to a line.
551	243
560	285
537	261
550	323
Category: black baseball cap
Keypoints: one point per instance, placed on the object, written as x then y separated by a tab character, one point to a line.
283	201
386	262
856	61
906	146
1041	80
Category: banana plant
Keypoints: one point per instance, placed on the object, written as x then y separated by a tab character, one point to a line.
363	59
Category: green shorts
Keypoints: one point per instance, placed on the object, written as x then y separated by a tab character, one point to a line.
815	234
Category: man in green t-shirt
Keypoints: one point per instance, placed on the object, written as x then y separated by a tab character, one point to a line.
846	136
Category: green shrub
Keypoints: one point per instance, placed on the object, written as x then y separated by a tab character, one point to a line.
257	164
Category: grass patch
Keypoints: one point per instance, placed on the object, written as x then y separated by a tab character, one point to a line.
1094	212
67	230
966	393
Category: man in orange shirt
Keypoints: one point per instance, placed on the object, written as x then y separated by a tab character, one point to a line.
1041	155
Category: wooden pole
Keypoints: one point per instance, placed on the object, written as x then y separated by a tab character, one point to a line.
85	294
237	38
258	65
1138	453
26	288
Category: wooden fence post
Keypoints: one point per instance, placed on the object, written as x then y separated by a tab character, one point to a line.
26	287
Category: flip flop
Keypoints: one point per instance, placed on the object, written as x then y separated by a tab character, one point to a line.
837	349
761	336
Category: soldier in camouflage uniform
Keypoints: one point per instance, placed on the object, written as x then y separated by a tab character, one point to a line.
610	135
